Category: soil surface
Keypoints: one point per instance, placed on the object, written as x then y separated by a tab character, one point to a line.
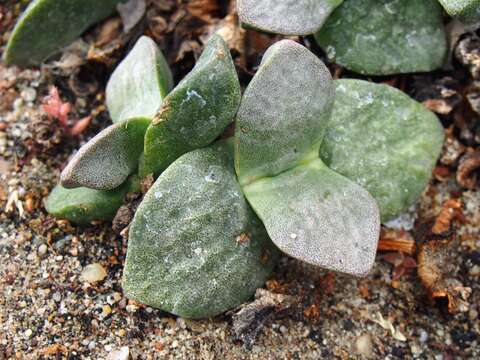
421	300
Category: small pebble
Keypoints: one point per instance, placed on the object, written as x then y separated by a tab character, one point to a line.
473	314
122	354
423	336
57	297
93	273
28	333
29	94
364	345
106	310
42	250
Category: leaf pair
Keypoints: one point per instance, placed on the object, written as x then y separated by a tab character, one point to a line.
376	136
191	116
367	36
196	248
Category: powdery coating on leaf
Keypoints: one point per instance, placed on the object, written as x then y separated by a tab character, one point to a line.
287	106
288	17
466	10
381	37
196	249
318	216
196	112
384	141
82	206
48	25
138	85
106	161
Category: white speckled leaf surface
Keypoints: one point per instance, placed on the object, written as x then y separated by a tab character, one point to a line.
318	216
288	17
382	37
466	10
139	83
109	158
283	112
196	249
384	141
196	112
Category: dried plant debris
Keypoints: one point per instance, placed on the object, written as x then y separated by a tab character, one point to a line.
386	37
467	11
48	25
196	249
435	270
140	83
252	317
291	17
384	141
467	53
473	96
196	112
468	172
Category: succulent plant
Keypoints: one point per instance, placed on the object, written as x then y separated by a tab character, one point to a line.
288	17
385	37
196	248
367	36
467	11
48	25
315	165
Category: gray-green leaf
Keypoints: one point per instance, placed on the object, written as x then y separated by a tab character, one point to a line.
196	249
288	17
283	112
318	216
139	83
106	161
384	141
381	37
196	112
82	205
467	11
48	25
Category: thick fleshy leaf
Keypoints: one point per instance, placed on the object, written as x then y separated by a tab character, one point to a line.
139	83
48	25
196	249
288	17
381	37
283	112
384	141
196	112
83	205
467	11
318	216
106	161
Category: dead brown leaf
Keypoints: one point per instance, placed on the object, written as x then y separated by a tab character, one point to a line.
468	172
435	270
451	210
205	10
396	240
